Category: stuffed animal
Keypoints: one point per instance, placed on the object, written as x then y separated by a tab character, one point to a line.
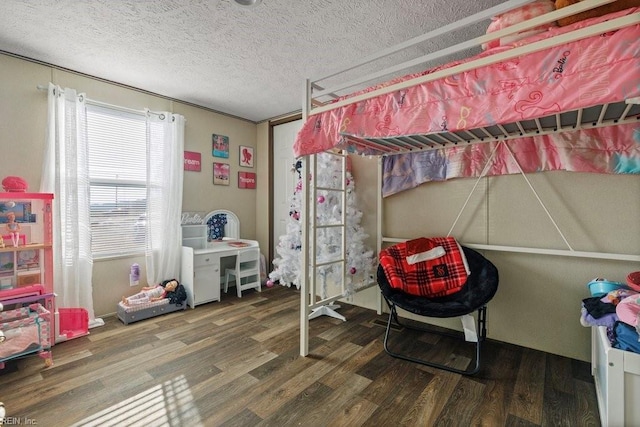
516	16
616	6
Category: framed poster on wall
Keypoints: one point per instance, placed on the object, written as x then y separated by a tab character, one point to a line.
192	161
220	146
246	156
246	180
220	173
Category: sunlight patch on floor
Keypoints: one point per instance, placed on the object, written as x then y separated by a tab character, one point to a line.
167	404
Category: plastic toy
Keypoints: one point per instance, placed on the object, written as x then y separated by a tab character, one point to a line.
13	228
14	184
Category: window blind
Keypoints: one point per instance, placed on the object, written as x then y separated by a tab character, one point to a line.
117	145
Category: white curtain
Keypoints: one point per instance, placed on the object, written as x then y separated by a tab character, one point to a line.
65	174
165	170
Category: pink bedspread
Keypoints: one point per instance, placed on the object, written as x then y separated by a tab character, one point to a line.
580	74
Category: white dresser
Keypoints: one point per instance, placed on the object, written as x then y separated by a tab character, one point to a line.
617	377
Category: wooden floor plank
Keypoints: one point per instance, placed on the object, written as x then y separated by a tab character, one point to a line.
527	401
401	399
342	373
585	402
274	399
237	363
355	413
463	403
500	382
432	400
296	410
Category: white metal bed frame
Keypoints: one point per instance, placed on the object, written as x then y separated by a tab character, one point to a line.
317	100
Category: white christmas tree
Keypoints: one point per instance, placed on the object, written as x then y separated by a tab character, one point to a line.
359	260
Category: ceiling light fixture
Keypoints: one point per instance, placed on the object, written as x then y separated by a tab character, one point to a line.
248	3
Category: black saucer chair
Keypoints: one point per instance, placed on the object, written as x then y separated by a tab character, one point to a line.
479	289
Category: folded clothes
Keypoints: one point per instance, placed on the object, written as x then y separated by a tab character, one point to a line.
625	337
597	308
588	320
628	310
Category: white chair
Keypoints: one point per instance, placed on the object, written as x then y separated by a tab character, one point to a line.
246	273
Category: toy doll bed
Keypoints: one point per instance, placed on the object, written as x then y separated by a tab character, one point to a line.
563	99
135	313
25	329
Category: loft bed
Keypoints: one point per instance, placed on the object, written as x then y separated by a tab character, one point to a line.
564	99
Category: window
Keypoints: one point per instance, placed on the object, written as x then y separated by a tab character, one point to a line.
117	146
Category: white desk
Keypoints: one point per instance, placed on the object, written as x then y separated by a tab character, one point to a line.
200	270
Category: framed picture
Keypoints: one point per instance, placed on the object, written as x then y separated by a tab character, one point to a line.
246	180
220	145
28	259
192	161
221	173
6	262
21	210
246	156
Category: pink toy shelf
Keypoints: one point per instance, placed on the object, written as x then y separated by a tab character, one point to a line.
26	270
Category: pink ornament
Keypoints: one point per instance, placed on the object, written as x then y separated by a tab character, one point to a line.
270	283
320	199
353	270
296	216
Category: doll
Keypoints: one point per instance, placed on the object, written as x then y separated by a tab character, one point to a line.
151	293
13	228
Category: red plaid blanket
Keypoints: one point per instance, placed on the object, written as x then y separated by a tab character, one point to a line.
440	276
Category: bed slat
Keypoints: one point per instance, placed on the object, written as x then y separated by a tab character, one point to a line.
592	117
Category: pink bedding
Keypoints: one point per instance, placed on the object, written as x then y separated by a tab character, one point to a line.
580	74
612	149
19	341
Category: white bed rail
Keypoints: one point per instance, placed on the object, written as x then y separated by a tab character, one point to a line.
538	251
316	94
579	34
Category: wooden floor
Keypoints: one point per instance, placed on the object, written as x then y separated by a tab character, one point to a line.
237	363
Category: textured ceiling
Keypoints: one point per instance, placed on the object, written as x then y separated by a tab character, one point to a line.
247	62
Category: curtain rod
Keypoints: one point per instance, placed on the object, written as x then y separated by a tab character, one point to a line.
107	105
